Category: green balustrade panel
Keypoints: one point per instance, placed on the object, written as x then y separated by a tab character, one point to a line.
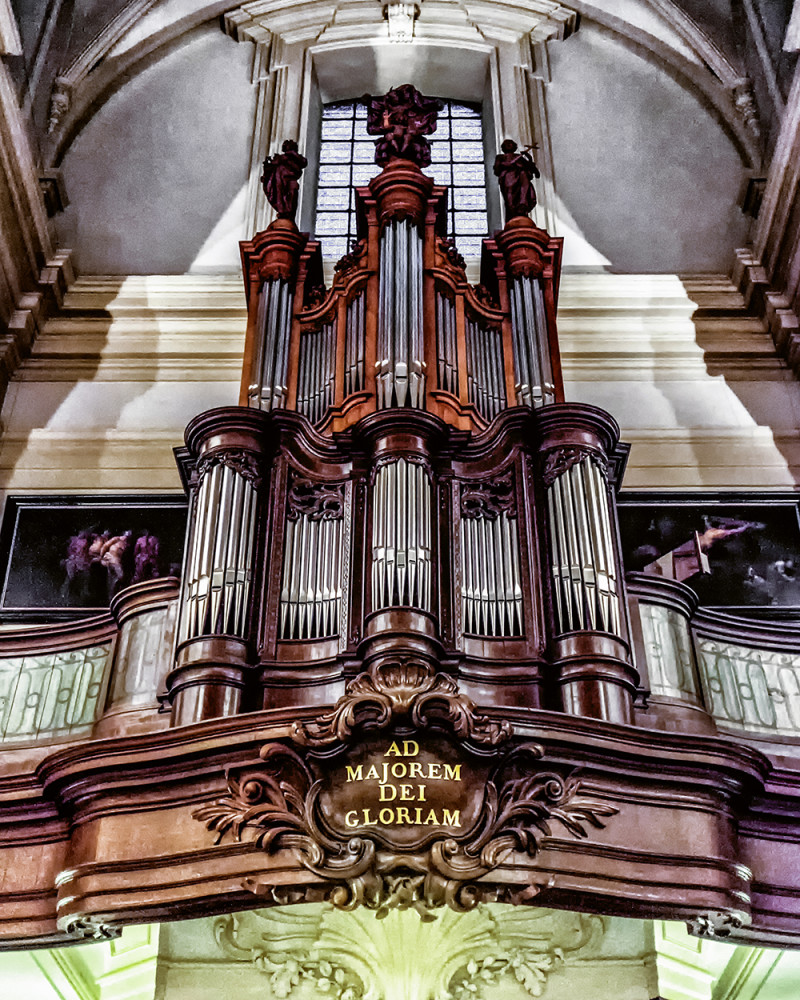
670	657
756	690
52	695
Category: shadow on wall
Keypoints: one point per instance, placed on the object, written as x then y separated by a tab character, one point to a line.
158	175
113	380
649	177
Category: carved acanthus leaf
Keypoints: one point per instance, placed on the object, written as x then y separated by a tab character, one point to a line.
243	463
560	460
315	500
489	499
449	250
277	806
405	688
352	258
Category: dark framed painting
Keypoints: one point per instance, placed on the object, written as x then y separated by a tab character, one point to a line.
65	557
735	551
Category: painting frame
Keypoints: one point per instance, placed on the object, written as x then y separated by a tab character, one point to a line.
45	575
753	567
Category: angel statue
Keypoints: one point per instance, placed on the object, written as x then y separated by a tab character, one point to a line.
515	172
402	118
281	179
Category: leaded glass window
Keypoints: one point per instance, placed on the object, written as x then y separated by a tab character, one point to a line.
346	161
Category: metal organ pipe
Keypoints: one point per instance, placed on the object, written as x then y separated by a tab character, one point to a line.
312	587
582	553
317	372
274	323
491	578
485	371
400	368
354	345
446	346
216	586
401	536
532	366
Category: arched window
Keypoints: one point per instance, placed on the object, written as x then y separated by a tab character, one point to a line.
346	161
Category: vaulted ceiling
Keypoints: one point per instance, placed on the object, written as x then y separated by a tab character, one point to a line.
153	112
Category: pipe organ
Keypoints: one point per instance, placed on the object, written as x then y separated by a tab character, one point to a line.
402	478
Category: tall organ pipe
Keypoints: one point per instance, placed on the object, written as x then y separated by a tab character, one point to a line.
212	657
532	365
400	368
312	586
355	344
446	345
582	553
485	369
401	536
268	389
219	565
317	372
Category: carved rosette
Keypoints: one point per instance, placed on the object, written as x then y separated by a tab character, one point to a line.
289	802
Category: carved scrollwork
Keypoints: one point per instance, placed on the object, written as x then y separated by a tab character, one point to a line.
489	499
404	688
88	927
449	250
277	807
244	463
352	258
413	458
314	296
316	501
560	460
484	296
715	923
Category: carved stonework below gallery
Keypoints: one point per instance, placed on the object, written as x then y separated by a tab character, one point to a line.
459	957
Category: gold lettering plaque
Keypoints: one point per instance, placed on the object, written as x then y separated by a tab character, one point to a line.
404	791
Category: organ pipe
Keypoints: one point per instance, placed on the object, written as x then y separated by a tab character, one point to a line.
446	346
401	536
355	344
274	319
317	372
219	565
582	553
400	368
485	369
311	590
532	363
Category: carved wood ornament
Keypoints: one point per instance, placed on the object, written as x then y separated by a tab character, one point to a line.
401	720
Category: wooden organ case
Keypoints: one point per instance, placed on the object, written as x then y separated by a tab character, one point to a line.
403	479
402	673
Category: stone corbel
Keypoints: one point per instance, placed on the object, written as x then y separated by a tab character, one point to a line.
69	80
